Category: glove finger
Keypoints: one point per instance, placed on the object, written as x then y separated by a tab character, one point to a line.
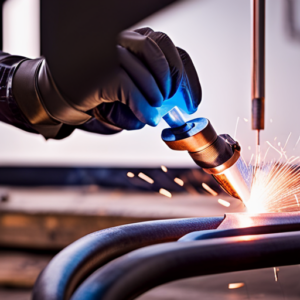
190	85
172	56
123	89
141	76
151	56
120	115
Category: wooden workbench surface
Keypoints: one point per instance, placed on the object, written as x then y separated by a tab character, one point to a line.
46	217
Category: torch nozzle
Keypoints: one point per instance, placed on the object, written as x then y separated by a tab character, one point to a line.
218	155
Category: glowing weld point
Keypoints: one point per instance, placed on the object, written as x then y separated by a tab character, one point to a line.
297	199
209	189
179	181
130	174
237	285
279	144
246	120
164	169
223	202
146	178
165	193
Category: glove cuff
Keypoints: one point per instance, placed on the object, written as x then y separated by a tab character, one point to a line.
41	102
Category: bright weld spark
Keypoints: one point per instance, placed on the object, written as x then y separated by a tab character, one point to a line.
278	144
287	141
249	148
274	148
209	189
179	181
165	193
236	126
276	271
232	286
164	169
275	184
251	159
146	178
223	202
297	142
246	120
130	174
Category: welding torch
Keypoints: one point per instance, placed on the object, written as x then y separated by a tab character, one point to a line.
258	67
220	155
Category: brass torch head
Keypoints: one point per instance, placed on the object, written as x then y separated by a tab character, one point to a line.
218	155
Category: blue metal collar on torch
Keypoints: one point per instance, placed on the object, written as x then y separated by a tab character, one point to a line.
186	130
199	138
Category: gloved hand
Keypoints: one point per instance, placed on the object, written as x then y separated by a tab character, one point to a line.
151	71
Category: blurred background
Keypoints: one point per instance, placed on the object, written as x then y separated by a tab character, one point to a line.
53	192
216	34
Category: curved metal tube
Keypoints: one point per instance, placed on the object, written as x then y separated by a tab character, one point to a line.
77	261
211	234
133	274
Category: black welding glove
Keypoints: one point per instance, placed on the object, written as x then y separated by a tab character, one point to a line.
152	70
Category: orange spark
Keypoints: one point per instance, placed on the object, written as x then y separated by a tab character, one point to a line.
237	285
165	193
209	189
223	202
146	178
164	169
130	174
287	141
276	271
236	126
179	181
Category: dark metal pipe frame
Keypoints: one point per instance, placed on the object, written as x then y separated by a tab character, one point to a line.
266	229
137	272
258	66
77	261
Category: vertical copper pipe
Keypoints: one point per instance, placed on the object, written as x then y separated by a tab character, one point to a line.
258	66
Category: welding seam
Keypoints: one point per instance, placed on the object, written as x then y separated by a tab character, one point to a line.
255	230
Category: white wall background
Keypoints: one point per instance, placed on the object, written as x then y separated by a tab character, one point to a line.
216	33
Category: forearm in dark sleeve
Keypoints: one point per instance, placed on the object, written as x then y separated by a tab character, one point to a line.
10	112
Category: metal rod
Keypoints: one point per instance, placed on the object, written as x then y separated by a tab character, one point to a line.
258	66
